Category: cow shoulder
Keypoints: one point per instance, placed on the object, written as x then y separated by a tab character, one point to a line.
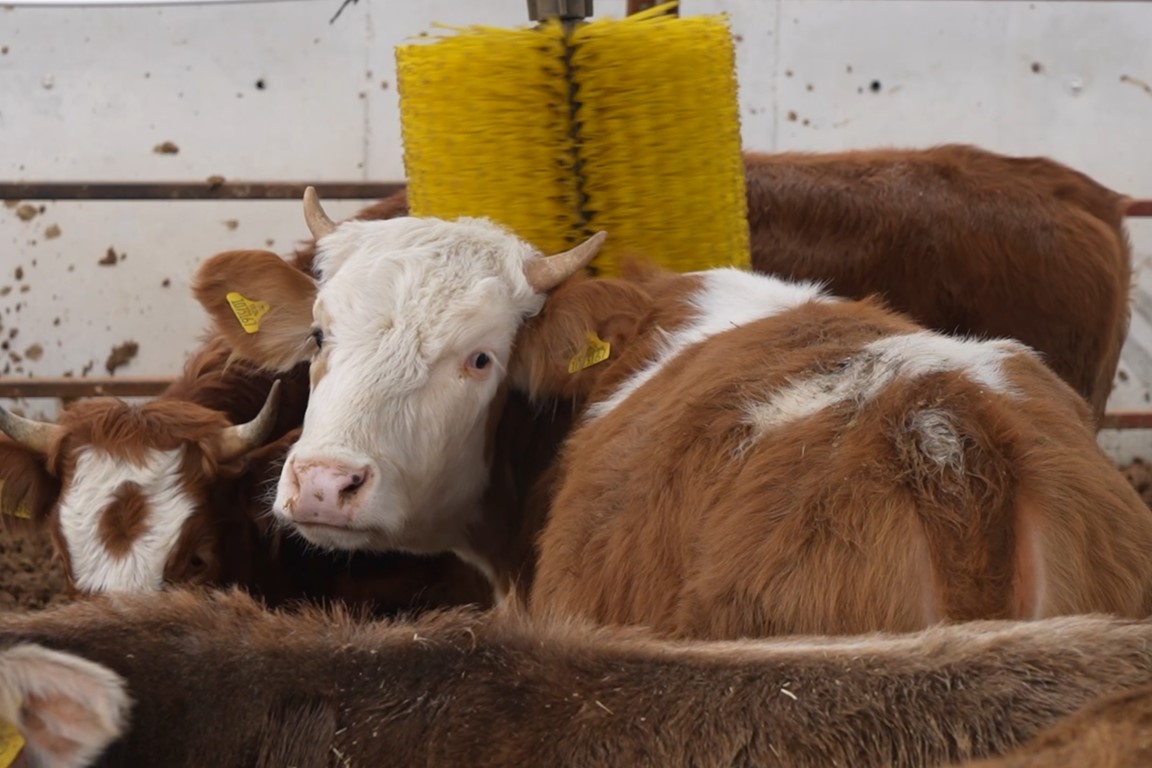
261	304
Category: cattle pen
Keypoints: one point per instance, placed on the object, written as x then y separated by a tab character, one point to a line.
143	137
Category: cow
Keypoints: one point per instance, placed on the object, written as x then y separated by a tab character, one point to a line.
752	456
1113	730
494	689
172	491
964	240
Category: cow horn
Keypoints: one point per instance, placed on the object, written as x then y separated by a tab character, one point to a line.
241	438
36	435
318	222
547	272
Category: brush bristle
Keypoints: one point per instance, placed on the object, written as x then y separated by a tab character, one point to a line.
484	118
629	126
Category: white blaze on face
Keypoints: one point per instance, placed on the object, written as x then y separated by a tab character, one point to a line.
404	305
98	477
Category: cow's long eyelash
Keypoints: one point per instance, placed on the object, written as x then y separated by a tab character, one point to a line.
318	337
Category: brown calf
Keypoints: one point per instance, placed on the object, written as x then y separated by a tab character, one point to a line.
754	457
830	468
249	687
964	240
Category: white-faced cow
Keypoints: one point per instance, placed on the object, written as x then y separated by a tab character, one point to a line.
171	491
753	457
315	689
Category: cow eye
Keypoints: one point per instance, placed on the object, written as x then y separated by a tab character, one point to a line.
318	337
197	566
479	365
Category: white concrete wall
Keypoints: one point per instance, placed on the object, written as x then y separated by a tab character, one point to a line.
86	93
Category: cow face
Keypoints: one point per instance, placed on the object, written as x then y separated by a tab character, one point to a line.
123	488
412	326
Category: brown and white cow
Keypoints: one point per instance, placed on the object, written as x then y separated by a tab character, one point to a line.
252	687
139	496
754	456
964	240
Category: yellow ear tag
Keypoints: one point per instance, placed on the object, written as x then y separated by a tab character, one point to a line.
11	742
597	351
21	512
248	312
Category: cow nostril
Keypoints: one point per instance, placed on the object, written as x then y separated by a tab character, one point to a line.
354	483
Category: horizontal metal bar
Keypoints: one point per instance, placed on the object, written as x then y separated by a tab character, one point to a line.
69	387
150	387
1139	208
195	190
245	190
1127	420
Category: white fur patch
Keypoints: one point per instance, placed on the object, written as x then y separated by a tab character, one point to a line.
937	438
728	299
98	476
878	364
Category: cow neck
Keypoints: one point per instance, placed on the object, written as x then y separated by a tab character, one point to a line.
526	440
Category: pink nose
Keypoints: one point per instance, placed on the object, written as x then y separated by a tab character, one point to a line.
326	492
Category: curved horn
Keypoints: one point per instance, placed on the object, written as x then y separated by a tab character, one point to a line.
36	435
547	272
318	222
241	438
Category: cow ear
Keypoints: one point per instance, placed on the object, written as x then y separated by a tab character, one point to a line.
28	491
261	304
67	709
583	327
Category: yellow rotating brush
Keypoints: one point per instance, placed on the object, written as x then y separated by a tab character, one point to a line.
557	131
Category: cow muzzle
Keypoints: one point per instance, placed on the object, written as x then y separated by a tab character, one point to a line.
324	492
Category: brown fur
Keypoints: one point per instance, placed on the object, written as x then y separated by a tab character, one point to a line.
28	487
216	378
124	520
898	223
964	240
1113	731
668	512
249	687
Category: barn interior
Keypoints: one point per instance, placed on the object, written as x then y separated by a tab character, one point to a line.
143	136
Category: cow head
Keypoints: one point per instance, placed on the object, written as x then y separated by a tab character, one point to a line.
125	490
410	327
